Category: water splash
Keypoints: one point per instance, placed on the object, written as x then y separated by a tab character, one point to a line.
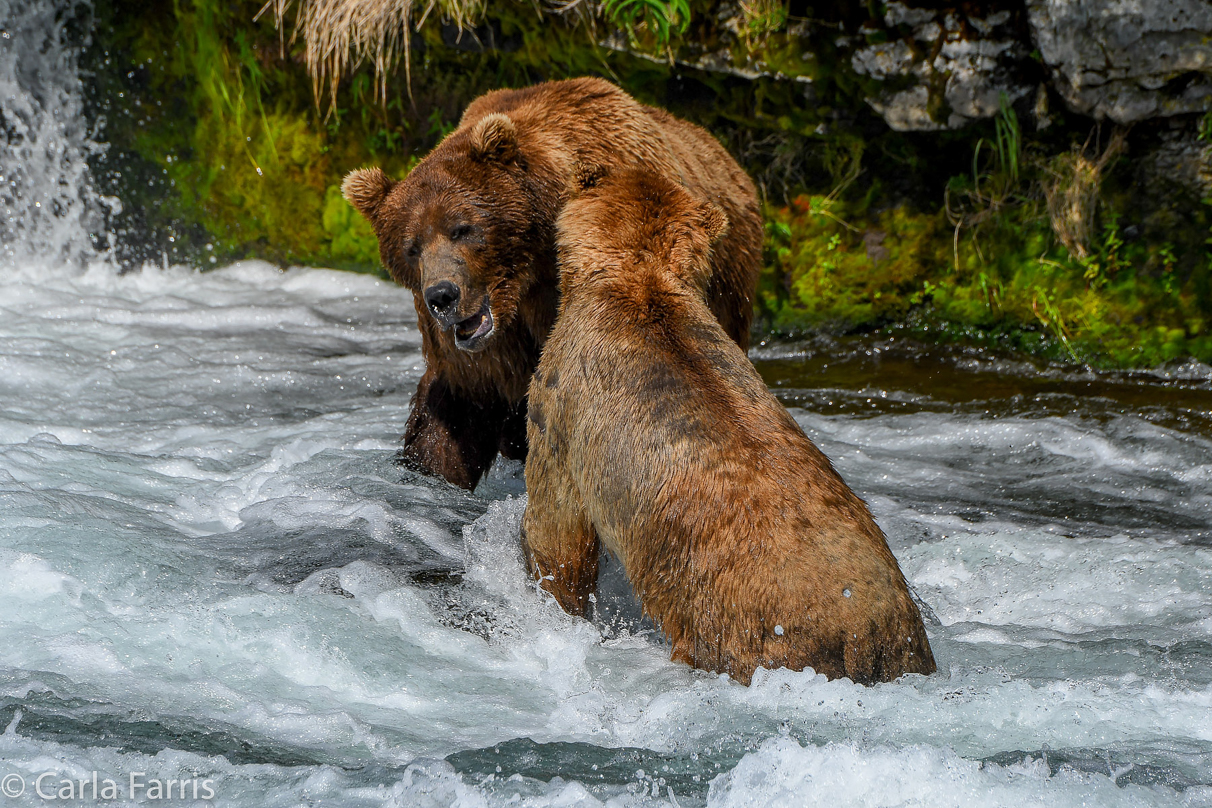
52	214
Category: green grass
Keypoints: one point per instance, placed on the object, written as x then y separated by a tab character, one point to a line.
226	147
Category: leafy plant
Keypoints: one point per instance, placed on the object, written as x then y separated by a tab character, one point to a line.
1052	319
995	180
992	290
663	18
1009	138
439	127
761	19
1166	254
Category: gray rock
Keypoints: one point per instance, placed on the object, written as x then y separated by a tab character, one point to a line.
1127	60
943	68
1178	160
958	67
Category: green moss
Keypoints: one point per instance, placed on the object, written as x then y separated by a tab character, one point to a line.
832	267
247	164
222	152
351	241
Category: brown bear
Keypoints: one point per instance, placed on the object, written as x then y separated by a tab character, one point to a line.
471	231
652	433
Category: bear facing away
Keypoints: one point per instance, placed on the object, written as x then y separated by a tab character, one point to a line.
652	433
471	231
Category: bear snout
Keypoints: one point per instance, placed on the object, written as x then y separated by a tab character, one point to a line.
443	301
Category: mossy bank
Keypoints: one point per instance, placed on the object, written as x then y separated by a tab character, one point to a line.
1025	225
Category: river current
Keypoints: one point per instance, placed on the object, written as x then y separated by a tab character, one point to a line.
217	588
211	569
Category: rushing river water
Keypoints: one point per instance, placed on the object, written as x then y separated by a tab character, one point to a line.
210	569
216	587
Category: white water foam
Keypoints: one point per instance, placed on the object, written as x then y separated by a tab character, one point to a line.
210	568
49	212
202	535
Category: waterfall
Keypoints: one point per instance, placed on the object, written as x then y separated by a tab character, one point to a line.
52	214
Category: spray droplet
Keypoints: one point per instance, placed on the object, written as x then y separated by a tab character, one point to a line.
778	630
845	593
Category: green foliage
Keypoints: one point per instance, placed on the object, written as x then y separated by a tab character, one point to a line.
1009	139
825	272
352	241
865	229
995	179
662	18
833	266
264	170
251	165
761	19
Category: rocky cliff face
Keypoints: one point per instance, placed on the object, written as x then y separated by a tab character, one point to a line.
1127	60
942	68
892	200
930	66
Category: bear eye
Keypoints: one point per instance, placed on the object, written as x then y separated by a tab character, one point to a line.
412	250
460	231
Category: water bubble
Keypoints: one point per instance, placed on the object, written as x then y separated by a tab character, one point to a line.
778	630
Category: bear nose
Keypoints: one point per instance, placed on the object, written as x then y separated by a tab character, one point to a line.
441	298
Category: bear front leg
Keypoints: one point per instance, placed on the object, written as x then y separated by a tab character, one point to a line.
513	433
450	435
562	554
560	543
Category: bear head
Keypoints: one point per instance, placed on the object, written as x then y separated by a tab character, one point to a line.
636	216
459	229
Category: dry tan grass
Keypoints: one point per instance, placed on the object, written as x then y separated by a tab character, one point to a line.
339	35
1072	190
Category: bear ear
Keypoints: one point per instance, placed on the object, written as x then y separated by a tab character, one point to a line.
366	189
714	222
587	175
691	254
494	137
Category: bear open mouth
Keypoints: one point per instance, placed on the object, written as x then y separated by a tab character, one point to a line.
469	334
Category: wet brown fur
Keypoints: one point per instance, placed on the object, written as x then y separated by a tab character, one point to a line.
651	432
505	173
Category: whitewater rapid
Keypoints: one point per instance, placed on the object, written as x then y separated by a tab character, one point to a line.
210	569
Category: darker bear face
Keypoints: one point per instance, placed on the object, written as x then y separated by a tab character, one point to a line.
456	230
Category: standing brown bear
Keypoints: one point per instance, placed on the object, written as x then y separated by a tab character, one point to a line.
471	231
650	431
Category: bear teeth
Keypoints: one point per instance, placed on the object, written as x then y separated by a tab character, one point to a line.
475	327
468	328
